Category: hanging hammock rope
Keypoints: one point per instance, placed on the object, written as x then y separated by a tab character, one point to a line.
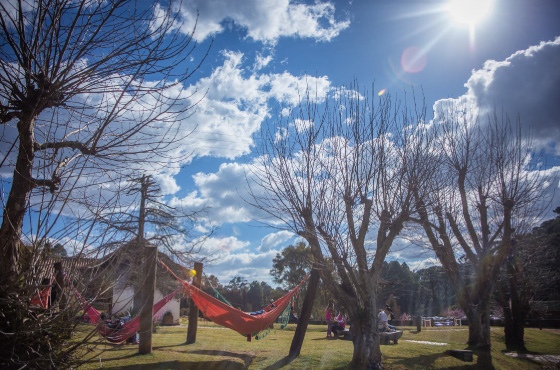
250	325
217	294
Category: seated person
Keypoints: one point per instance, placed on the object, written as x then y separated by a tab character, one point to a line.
133	339
383	321
266	309
270	306
293	318
339	324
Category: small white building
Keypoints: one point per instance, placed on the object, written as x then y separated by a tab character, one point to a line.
125	265
124	299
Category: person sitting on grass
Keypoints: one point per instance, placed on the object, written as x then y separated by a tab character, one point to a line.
339	324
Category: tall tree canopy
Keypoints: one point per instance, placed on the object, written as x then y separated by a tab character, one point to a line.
341	176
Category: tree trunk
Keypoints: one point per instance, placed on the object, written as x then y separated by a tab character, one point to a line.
365	335
16	204
479	324
514	328
305	314
147	313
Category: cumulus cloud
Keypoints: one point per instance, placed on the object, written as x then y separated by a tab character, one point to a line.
237	103
261	61
525	84
273	240
263	20
225	193
230	258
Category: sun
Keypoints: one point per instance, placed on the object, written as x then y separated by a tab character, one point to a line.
469	12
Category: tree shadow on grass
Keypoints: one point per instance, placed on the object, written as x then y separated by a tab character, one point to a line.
195	365
280	363
426	361
247	359
169	346
483	361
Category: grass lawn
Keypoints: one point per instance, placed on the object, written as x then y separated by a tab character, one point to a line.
218	348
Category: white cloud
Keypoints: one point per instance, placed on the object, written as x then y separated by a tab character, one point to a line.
261	61
251	266
525	84
225	193
230	257
302	125
237	103
423	264
273	240
222	246
263	20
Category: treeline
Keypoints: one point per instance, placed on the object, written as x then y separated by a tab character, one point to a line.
426	292
241	294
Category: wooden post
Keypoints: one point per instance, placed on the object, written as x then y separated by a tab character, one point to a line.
418	323
305	314
146	315
149	284
193	310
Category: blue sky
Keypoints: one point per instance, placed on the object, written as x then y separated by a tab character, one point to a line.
265	51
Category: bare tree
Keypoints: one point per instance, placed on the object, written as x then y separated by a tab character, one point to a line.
341	177
529	274
483	193
85	87
89	92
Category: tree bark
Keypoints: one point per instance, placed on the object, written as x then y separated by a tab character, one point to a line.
478	316
16	205
365	335
305	314
514	328
147	313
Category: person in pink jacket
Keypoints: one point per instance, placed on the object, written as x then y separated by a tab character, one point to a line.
328	318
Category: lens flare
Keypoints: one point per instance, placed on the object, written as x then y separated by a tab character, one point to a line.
381	92
413	60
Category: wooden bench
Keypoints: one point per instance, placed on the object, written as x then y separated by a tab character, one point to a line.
387	337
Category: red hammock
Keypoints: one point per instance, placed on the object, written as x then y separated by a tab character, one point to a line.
129	328
41	299
232	318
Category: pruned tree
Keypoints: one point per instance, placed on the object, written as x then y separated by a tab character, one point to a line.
89	92
86	87
341	177
483	194
169	228
529	274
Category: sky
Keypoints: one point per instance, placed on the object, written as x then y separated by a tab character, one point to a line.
265	52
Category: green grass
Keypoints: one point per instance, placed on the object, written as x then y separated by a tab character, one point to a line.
218	348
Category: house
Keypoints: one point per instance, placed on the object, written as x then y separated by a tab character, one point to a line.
113	281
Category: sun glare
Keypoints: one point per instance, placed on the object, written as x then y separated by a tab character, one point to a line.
469	12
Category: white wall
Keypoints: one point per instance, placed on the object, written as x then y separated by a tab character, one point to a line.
173	306
122	300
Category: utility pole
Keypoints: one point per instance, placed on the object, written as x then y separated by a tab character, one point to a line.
149	283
